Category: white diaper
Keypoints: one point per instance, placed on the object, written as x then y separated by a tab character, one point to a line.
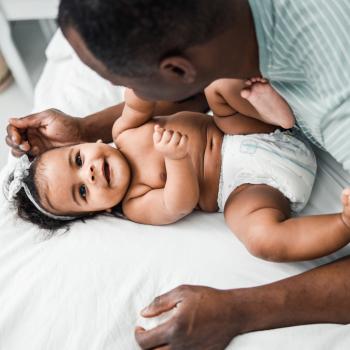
279	159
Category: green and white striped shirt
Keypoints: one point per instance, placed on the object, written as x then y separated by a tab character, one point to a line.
304	50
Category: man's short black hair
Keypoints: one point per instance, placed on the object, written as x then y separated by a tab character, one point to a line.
130	37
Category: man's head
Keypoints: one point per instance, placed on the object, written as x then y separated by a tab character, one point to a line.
156	47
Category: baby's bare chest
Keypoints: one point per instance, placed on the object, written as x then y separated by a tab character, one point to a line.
148	168
147	165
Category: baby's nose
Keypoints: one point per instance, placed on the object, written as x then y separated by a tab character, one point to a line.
92	173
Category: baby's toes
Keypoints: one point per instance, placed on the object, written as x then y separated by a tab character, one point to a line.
261	80
345	196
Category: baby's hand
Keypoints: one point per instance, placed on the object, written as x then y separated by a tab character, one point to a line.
171	143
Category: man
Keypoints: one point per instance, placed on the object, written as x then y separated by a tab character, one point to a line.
169	50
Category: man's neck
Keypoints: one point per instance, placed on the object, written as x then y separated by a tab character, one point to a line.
240	45
233	53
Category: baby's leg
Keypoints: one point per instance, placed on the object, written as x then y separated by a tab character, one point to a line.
258	215
272	108
232	113
224	98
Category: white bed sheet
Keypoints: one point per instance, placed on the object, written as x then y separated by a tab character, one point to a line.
84	289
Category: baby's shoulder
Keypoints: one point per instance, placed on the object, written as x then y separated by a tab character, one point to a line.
136	137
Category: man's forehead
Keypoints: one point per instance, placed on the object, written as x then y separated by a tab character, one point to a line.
79	46
88	58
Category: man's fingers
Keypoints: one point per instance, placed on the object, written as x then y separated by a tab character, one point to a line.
30	121
35	151
154	338
14	134
10	143
16	152
161	304
23	146
15	149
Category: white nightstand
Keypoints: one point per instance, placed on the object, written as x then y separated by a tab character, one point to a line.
18	10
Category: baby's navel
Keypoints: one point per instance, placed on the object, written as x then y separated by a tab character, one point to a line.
162	176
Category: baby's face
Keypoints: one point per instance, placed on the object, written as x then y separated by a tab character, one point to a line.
88	177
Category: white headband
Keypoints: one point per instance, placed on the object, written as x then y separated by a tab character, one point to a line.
19	174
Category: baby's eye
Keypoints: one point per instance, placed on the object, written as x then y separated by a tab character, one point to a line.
82	191
78	160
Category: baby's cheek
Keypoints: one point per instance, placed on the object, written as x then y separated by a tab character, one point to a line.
111	198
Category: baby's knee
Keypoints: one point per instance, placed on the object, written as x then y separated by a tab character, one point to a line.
264	247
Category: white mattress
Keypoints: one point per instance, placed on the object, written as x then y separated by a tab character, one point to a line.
84	289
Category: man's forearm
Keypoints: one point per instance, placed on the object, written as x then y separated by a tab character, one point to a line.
321	295
99	125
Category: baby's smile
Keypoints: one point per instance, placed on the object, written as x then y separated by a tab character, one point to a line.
84	178
106	172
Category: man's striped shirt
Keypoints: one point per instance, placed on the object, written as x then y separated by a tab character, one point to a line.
304	50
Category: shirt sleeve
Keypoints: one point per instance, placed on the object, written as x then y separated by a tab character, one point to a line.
336	133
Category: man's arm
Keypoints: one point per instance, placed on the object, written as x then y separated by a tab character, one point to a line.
206	317
39	132
101	123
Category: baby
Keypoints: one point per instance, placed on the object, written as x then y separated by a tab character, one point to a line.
165	167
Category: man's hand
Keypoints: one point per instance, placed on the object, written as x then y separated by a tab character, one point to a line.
207	319
202	320
42	131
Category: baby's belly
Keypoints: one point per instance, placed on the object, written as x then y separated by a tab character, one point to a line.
209	185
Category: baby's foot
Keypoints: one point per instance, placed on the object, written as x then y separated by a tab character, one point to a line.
272	108
345	199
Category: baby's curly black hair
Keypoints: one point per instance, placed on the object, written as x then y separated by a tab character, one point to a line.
27	211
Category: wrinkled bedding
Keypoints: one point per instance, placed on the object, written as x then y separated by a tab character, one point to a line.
84	289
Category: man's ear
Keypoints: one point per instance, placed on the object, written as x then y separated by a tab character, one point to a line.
178	68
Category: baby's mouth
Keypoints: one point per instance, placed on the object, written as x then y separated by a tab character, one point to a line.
106	172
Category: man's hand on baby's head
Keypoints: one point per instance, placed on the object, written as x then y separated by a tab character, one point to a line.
171	143
39	132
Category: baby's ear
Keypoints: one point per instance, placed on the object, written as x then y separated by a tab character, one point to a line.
109	210
99	141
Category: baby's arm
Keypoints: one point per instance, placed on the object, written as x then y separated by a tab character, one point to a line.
136	112
180	194
259	216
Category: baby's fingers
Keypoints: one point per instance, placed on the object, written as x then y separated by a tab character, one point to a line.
166	137
184	140
175	139
158	128
157	134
